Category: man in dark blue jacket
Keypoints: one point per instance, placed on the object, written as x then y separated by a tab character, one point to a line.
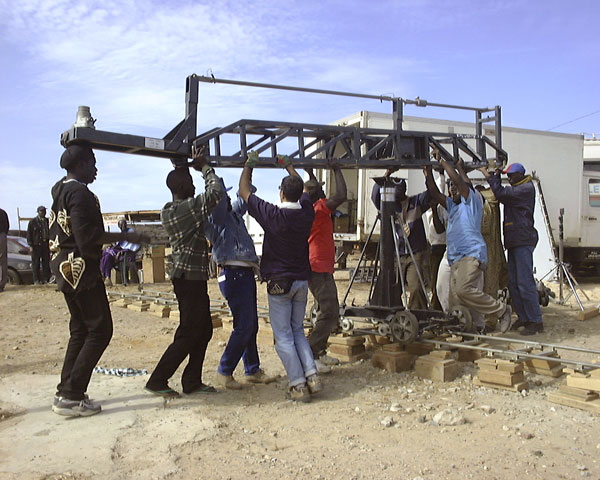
520	239
233	250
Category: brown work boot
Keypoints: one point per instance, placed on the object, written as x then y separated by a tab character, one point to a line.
227	382
260	377
299	393
314	384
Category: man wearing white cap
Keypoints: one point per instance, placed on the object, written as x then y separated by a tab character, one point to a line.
520	239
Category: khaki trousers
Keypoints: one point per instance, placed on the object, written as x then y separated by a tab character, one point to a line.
466	288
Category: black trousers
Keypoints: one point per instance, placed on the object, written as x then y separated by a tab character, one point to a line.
40	256
91	329
191	337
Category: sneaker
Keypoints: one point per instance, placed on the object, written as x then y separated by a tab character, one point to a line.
321	367
518	324
75	408
482	330
531	328
314	384
260	377
228	382
299	393
505	320
327	360
57	398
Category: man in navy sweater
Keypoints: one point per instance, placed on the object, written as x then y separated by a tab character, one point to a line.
286	268
520	239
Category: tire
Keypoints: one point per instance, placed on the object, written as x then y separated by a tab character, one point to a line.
13	277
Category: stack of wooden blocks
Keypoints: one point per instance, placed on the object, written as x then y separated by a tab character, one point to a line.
549	368
439	366
347	349
393	358
581	391
503	374
159	310
139	306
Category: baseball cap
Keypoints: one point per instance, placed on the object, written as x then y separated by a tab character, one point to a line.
514	168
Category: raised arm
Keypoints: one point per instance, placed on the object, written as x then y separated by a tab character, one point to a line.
432	187
461	185
340	194
246	177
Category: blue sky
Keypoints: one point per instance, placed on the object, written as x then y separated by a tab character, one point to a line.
128	61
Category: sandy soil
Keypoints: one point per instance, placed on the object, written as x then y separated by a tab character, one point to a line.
348	432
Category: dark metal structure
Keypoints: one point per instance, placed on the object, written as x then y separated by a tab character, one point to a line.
317	146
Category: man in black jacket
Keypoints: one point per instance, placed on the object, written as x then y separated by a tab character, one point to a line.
76	238
37	238
4	226
520	239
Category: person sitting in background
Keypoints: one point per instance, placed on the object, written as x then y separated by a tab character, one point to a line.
122	254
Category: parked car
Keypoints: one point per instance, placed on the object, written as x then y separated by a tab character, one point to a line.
19	261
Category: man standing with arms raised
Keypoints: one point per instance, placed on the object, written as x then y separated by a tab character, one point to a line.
285	266
184	219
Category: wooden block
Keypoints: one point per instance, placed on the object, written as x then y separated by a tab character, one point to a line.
122	302
587	395
436	369
347	350
174	314
512	367
468	355
393	361
551	372
590	383
501	378
443	354
587	313
515	388
339	340
392	347
139	306
486	362
216	321
595	372
154	269
418	348
571	401
349	359
163	312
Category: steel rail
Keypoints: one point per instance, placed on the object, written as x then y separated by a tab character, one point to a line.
515	354
418	101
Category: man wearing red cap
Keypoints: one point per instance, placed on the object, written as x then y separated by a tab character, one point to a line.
520	239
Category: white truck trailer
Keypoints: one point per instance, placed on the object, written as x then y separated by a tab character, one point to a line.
556	159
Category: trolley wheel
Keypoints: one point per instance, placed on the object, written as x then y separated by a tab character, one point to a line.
383	329
404	326
462	314
346	324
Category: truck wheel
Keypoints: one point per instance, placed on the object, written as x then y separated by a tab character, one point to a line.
13	277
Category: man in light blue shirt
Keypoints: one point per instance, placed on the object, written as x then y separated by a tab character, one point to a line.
467	252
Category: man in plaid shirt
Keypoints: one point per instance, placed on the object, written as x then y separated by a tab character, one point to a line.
183	219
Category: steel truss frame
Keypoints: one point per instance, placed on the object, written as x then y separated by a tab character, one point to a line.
317	145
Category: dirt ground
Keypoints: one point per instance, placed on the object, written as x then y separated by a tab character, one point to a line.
367	423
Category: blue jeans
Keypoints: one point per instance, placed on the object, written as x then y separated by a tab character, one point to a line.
239	288
521	284
286	313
